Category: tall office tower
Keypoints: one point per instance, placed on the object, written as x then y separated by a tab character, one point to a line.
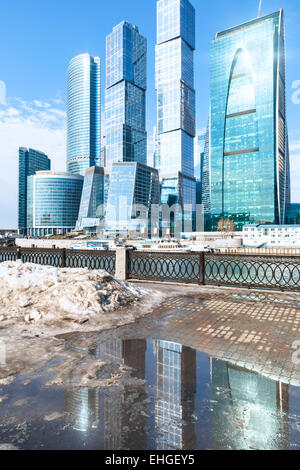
30	161
83	114
205	176
133	190
125	97
175	101
198	154
200	162
249	145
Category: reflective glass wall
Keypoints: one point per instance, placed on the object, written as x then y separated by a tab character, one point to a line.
83	114
249	155
125	95
53	202
30	161
133	189
175	99
92	199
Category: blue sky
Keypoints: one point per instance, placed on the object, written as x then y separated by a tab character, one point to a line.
39	37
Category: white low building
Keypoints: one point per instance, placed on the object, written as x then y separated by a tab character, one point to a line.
271	236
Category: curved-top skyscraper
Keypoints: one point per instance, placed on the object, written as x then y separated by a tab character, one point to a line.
249	146
83	114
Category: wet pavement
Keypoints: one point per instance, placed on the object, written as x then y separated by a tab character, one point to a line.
209	369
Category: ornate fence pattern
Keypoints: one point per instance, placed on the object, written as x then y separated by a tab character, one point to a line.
48	257
92	259
62	258
277	272
281	272
264	271
180	267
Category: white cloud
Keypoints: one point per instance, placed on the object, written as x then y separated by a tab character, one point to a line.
295	169
40	104
294	145
37	125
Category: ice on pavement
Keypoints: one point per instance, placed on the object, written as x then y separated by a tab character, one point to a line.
31	294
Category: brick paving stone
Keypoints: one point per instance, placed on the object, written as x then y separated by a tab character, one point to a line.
253	328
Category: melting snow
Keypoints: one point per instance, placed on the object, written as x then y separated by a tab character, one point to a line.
32	293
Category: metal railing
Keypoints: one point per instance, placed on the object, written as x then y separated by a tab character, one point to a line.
91	259
7	254
166	266
253	271
279	272
271	272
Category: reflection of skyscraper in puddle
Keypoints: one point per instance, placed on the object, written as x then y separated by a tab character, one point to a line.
249	410
82	404
176	387
124	424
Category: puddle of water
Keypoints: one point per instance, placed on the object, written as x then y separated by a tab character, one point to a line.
182	399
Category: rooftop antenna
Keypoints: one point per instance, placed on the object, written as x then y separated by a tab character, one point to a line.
259	8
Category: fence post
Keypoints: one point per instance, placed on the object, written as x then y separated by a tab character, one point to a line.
121	263
202	269
63	258
19	254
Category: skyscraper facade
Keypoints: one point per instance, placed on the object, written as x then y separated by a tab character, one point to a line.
198	154
30	161
249	145
125	96
133	189
205	176
83	114
53	202
175	101
201	160
92	199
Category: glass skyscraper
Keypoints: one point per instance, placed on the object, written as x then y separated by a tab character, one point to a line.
125	96
202	169
92	199
83	114
132	185
30	161
249	145
198	154
175	101
53	202
205	187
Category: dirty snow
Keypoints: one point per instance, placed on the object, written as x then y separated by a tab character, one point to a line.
31	293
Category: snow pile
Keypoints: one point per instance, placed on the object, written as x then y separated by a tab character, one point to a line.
35	293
